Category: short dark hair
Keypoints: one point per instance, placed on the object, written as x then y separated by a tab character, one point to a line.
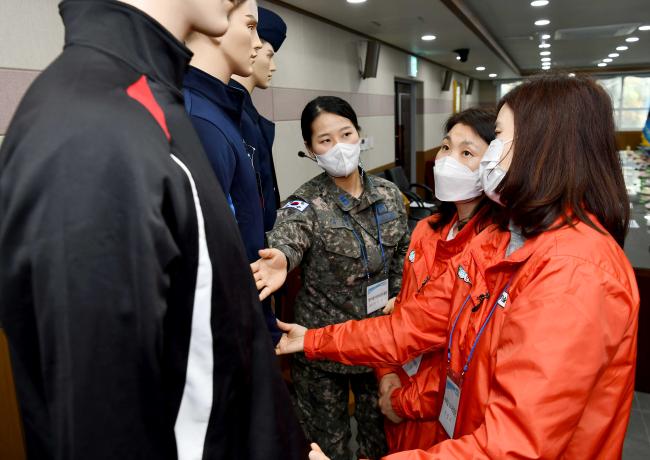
565	163
327	104
482	121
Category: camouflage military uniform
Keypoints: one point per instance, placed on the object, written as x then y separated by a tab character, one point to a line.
320	228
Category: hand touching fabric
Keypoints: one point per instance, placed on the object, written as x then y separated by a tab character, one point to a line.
293	339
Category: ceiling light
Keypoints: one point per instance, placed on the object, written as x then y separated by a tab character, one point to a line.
621	48
492	75
356	1
608	60
572	74
539	3
428	38
644	28
546	59
480	68
544	53
544	45
458	58
546	37
602	64
542	22
632	39
612	55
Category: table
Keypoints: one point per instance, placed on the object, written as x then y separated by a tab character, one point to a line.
636	171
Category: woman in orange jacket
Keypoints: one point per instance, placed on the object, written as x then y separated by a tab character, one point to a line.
545	367
409	394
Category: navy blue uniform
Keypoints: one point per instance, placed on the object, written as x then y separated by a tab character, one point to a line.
259	133
216	112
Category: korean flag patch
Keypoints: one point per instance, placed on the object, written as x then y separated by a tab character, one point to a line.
296	204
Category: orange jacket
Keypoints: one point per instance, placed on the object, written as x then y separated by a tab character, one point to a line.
553	374
416	401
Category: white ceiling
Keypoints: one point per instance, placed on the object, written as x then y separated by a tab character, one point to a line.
510	22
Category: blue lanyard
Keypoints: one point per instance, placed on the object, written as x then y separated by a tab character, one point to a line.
480	332
362	246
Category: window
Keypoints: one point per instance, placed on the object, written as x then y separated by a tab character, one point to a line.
631	100
505	88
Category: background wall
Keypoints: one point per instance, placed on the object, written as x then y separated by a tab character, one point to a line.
316	59
320	59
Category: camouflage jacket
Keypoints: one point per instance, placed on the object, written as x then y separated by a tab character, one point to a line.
320	228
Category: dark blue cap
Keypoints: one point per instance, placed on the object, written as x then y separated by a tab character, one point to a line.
271	28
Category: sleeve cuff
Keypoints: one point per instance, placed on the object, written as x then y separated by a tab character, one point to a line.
309	344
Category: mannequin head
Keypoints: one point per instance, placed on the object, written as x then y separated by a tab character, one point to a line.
235	51
263	67
240	44
272	31
181	17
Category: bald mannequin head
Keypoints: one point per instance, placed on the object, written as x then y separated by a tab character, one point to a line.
181	17
234	53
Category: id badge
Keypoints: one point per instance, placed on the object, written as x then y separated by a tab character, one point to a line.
376	296
449	411
411	368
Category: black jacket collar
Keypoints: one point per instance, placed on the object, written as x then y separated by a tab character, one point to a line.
128	34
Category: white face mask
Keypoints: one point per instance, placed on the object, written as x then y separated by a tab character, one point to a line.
341	160
490	172
454	181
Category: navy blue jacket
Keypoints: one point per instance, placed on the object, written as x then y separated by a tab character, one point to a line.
259	133
216	112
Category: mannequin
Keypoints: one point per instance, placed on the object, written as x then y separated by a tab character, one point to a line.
257	130
121	266
216	111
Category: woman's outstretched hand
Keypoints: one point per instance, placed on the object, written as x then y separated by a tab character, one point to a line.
269	271
293	339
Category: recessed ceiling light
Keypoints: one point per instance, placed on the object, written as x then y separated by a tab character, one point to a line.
544	53
480	68
621	48
572	74
542	22
546	59
544	45
539	3
644	28
356	1
602	64
608	60
632	39
546	37
613	55
492	75
428	38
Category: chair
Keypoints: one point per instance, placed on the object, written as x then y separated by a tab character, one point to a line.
418	208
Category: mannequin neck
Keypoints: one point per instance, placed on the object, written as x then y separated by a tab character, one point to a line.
169	17
209	57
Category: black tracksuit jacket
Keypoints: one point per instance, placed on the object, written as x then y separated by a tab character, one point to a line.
133	321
